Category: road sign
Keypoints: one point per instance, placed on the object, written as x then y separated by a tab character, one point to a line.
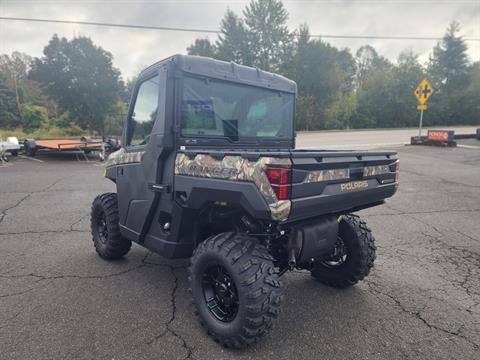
423	91
440	135
422	107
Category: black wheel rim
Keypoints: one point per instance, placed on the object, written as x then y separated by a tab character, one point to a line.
220	293
102	227
339	255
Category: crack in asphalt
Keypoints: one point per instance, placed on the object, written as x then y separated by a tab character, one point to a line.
4	212
56	277
468	236
462	270
24	291
69	230
77	222
143	263
44	232
7	321
375	289
173	300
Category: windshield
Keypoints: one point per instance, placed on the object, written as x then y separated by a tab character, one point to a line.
238	112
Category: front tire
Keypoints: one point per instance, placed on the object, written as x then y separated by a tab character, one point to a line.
353	257
108	241
235	288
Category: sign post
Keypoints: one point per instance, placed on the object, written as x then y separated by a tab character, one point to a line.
421	123
422	93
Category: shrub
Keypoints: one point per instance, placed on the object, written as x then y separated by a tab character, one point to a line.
33	116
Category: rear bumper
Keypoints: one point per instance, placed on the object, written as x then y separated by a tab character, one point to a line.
313	206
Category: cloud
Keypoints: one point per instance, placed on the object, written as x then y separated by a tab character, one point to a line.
133	49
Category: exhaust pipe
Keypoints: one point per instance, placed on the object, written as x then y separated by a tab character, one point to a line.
294	247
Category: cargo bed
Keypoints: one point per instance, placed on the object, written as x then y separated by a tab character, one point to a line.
325	182
328	182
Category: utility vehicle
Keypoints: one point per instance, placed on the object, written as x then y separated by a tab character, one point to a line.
208	170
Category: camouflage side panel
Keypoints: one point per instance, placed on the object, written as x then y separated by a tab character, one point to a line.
327	175
122	157
237	168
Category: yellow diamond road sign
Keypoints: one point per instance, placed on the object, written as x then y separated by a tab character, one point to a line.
423	91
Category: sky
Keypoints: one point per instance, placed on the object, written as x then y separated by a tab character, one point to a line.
134	49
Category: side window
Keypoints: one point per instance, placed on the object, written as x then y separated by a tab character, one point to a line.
144	112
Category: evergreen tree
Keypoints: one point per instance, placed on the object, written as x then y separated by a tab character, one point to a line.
448	71
202	47
233	43
269	38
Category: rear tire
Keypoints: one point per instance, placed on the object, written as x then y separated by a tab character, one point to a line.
14	152
238	277
108	241
354	257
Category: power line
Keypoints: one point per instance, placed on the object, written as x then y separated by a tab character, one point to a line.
210	31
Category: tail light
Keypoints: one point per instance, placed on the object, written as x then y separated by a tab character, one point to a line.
280	180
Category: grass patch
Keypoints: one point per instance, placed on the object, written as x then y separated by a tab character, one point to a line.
50	132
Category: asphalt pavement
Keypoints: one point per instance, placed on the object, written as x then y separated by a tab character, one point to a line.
59	300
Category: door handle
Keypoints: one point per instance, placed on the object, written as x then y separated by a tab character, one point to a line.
158	188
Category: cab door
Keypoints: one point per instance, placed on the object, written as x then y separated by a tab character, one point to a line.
144	152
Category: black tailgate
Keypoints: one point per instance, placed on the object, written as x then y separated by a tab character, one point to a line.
337	181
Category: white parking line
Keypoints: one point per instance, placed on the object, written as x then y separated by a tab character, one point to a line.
30	158
349	146
468	146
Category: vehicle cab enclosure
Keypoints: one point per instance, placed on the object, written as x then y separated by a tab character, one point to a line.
209	147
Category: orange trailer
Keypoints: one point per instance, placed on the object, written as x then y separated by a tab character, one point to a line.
84	144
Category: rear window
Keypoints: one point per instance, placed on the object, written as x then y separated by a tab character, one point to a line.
223	109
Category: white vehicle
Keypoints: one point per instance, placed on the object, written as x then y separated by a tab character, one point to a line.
11	145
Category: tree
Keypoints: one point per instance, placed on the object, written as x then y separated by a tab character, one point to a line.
15	67
472	95
234	42
269	38
385	97
372	107
448	71
323	75
340	113
81	76
261	39
202	47
367	61
115	118
9	112
33	116
404	79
